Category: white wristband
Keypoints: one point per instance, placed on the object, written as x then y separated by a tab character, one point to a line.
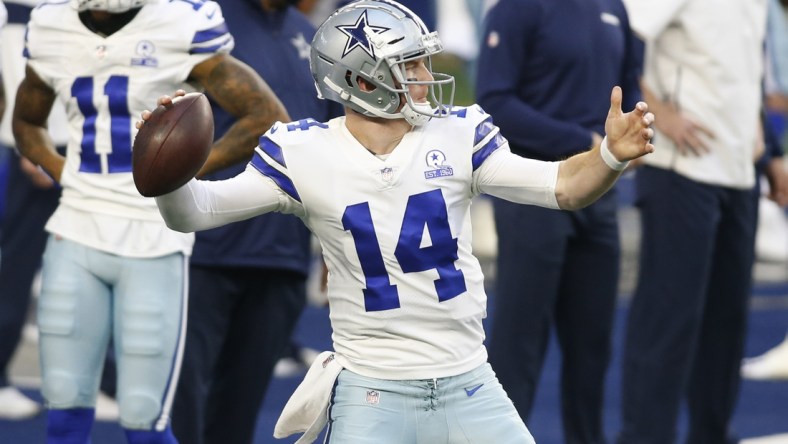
610	159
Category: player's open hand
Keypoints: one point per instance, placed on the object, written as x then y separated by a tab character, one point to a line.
164	100
628	134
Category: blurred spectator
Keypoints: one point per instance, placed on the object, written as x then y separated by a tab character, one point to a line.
30	199
546	89
772	235
698	202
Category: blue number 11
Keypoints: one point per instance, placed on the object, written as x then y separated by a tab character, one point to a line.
423	210
117	91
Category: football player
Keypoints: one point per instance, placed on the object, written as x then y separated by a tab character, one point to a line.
111	266
387	190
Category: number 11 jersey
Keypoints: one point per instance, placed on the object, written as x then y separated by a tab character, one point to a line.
105	83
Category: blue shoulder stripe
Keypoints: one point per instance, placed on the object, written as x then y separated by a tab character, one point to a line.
484	152
213	48
281	180
482	130
272	149
210	34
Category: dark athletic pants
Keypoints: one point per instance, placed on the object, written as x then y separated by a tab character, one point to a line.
240	321
687	319
556	269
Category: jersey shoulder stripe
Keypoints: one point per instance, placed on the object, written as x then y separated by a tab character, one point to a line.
273	150
487	137
300	138
212	40
269	161
488	146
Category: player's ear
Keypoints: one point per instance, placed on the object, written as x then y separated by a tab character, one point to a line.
364	85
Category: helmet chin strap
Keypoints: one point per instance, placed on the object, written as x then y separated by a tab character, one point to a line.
415	114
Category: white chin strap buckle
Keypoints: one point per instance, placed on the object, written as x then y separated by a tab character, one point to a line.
418	114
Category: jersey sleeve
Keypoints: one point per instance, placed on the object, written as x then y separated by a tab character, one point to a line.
487	139
205	204
211	34
498	172
269	161
39	48
206	33
519	179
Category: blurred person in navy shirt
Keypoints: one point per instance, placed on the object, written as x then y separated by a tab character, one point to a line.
543	71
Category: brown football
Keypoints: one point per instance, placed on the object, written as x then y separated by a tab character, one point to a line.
172	145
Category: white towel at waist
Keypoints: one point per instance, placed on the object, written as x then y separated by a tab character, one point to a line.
307	409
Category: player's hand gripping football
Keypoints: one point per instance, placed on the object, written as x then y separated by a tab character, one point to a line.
628	134
172	144
163	101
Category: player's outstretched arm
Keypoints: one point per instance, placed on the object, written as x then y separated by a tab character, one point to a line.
201	205
584	177
240	91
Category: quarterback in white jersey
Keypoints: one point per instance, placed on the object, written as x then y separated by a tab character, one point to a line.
112	268
387	190
396	236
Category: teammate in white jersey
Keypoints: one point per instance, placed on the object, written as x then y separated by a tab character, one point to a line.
111	266
387	191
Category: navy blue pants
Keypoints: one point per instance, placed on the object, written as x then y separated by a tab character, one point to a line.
556	269
687	319
22	241
240	321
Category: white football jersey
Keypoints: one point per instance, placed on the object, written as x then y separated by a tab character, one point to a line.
406	294
105	83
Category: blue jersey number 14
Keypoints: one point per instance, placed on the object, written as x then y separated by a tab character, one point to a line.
425	209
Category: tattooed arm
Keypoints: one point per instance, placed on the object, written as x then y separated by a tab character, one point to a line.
240	91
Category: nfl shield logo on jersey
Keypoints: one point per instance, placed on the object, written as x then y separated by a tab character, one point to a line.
387	174
373	397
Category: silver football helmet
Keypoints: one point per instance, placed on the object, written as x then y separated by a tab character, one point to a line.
114	6
372	40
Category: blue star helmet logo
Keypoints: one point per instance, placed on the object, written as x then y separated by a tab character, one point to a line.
357	38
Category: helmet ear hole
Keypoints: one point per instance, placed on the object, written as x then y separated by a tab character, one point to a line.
359	82
365	85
